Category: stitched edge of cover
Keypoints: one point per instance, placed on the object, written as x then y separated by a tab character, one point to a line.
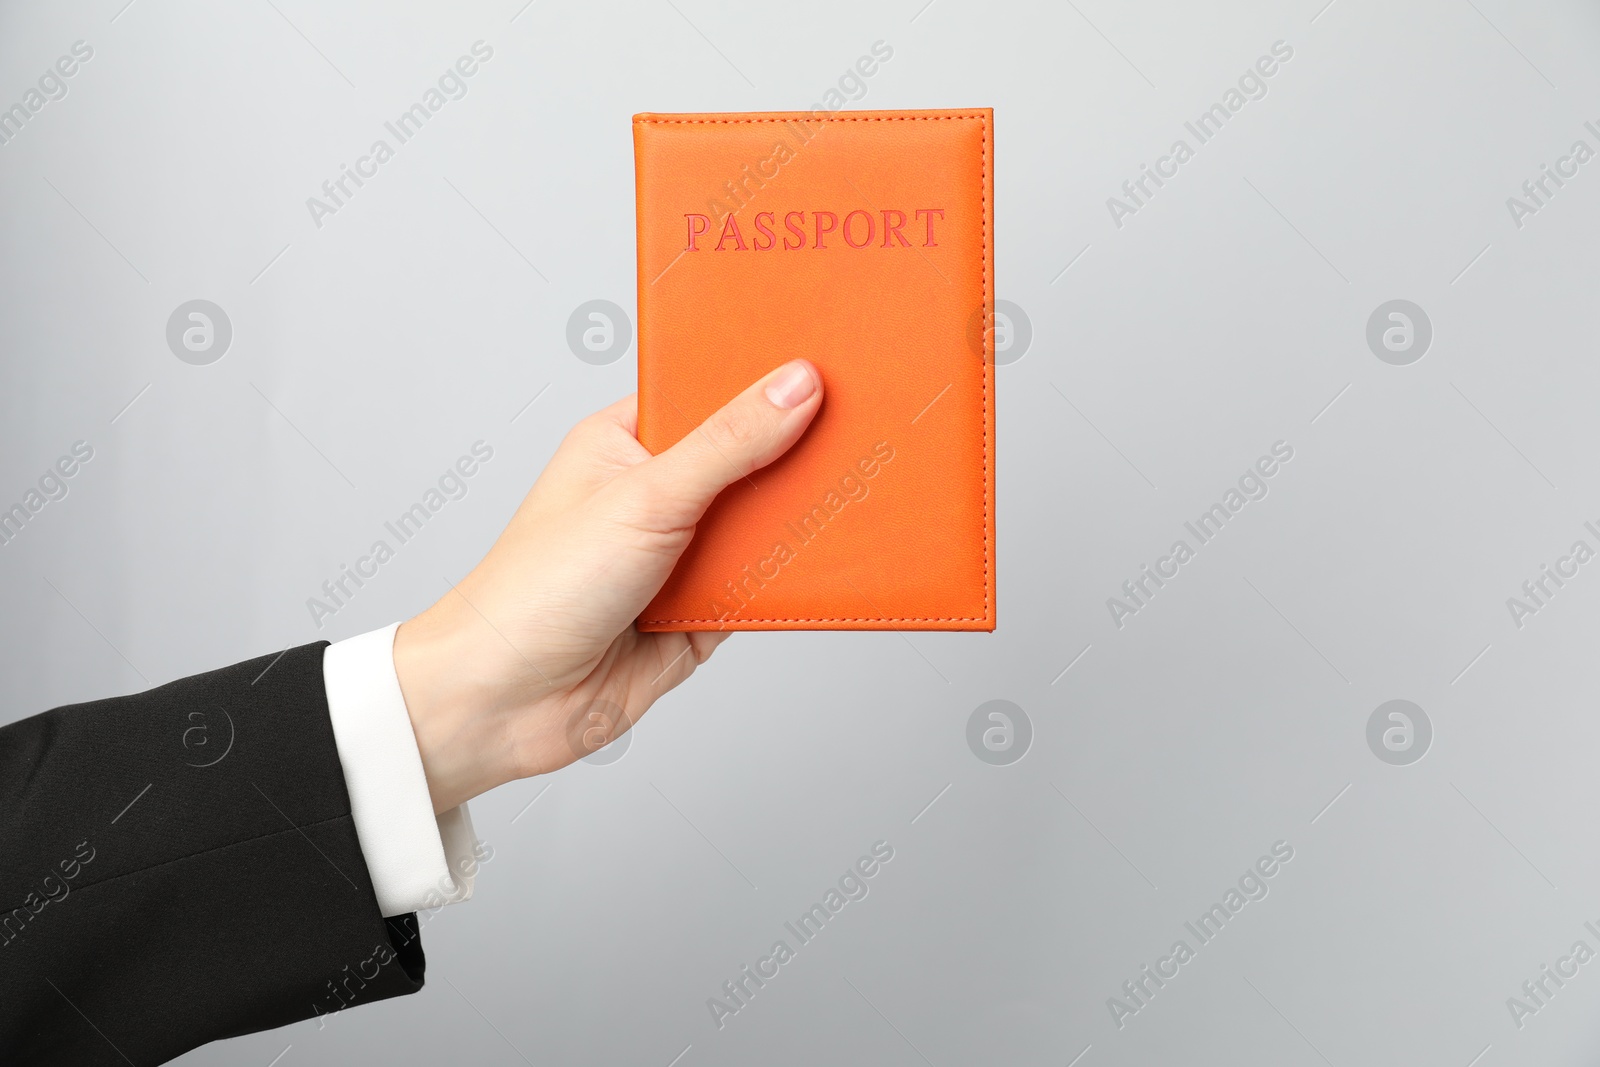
793	118
983	269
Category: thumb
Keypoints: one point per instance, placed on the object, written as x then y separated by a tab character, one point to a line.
750	431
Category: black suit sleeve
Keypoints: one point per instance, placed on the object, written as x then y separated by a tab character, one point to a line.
181	865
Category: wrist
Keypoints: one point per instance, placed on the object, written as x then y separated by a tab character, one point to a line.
453	710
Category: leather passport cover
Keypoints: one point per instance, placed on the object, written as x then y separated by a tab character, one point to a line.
864	242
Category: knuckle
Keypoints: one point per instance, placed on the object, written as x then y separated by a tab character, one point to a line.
737	431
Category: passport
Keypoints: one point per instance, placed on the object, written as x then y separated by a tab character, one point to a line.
864	242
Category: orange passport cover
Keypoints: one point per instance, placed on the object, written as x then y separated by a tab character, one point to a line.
863	241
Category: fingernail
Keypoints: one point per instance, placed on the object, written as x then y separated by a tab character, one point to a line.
792	386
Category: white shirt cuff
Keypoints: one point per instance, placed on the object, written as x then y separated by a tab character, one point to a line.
416	860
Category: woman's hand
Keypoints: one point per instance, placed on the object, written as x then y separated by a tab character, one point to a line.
533	661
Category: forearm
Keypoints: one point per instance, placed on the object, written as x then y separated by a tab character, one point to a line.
179	887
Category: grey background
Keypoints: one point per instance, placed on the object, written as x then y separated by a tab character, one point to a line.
1227	314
